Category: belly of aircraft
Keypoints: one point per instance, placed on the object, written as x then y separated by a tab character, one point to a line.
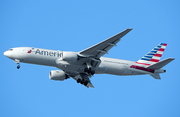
112	68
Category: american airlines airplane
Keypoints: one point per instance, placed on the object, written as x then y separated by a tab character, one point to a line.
81	66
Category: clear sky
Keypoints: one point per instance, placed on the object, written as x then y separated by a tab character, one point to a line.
74	25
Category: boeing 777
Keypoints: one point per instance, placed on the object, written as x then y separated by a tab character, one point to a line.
81	66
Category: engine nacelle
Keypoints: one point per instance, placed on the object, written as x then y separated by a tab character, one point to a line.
57	75
69	56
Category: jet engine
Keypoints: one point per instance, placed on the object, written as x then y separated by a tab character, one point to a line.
69	56
58	75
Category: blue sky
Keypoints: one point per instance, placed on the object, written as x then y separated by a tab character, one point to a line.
74	25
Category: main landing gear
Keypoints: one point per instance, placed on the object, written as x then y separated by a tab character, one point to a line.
84	77
82	81
89	71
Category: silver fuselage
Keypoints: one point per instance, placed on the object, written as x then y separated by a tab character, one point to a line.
49	58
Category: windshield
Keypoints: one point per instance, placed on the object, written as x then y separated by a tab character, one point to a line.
10	50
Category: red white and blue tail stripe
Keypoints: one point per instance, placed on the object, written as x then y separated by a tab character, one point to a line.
153	56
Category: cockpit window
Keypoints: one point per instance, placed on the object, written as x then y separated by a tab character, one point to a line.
10	50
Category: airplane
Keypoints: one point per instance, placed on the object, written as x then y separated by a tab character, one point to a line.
81	66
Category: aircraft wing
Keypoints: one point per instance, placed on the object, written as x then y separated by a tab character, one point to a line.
90	58
103	47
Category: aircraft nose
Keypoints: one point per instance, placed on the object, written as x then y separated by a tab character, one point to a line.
7	54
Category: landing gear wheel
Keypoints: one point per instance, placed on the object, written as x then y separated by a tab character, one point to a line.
89	71
86	70
85	83
18	66
82	81
79	80
92	72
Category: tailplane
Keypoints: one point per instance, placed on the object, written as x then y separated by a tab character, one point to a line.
157	67
156	76
160	64
153	56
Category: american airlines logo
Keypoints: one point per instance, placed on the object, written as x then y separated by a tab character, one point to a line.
45	52
29	51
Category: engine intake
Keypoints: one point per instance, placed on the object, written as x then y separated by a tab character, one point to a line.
70	56
58	75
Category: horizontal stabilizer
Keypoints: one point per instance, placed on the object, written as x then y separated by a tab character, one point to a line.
160	64
156	76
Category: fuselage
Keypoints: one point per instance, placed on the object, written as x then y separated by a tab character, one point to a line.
82	65
53	58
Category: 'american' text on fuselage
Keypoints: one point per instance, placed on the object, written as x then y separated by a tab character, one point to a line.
48	53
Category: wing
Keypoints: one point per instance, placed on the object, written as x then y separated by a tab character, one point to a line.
89	59
103	47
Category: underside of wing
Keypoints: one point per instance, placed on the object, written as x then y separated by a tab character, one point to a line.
103	47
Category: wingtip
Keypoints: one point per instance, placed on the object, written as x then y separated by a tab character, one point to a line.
129	28
172	58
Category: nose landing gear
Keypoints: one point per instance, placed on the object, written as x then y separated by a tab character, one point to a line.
18	66
17	62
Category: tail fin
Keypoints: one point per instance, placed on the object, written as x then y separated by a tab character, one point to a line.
153	56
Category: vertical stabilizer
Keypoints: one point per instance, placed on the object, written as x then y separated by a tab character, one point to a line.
153	56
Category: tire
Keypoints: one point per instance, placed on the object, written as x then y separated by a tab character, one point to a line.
92	72
18	67
86	70
79	80
85	83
